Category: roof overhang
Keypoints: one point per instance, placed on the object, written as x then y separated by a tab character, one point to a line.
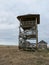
29	17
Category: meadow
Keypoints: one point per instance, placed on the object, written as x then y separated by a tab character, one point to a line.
11	55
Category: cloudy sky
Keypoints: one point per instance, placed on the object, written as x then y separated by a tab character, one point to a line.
10	9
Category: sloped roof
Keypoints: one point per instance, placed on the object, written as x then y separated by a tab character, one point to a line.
29	17
42	41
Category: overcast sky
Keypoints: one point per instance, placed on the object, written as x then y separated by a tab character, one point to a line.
10	9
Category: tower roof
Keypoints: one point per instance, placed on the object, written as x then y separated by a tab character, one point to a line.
29	17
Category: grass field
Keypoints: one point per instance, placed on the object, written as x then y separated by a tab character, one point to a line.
11	55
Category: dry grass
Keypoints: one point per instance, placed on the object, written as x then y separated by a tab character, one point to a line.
11	55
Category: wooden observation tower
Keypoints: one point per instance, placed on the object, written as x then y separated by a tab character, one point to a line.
28	30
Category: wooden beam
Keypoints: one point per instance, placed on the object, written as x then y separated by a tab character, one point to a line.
36	34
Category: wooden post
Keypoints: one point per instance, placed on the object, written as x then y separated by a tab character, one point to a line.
19	37
36	34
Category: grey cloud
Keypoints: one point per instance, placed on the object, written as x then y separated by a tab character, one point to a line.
10	9
9	35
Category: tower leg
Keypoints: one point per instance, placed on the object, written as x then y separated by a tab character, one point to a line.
36	34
